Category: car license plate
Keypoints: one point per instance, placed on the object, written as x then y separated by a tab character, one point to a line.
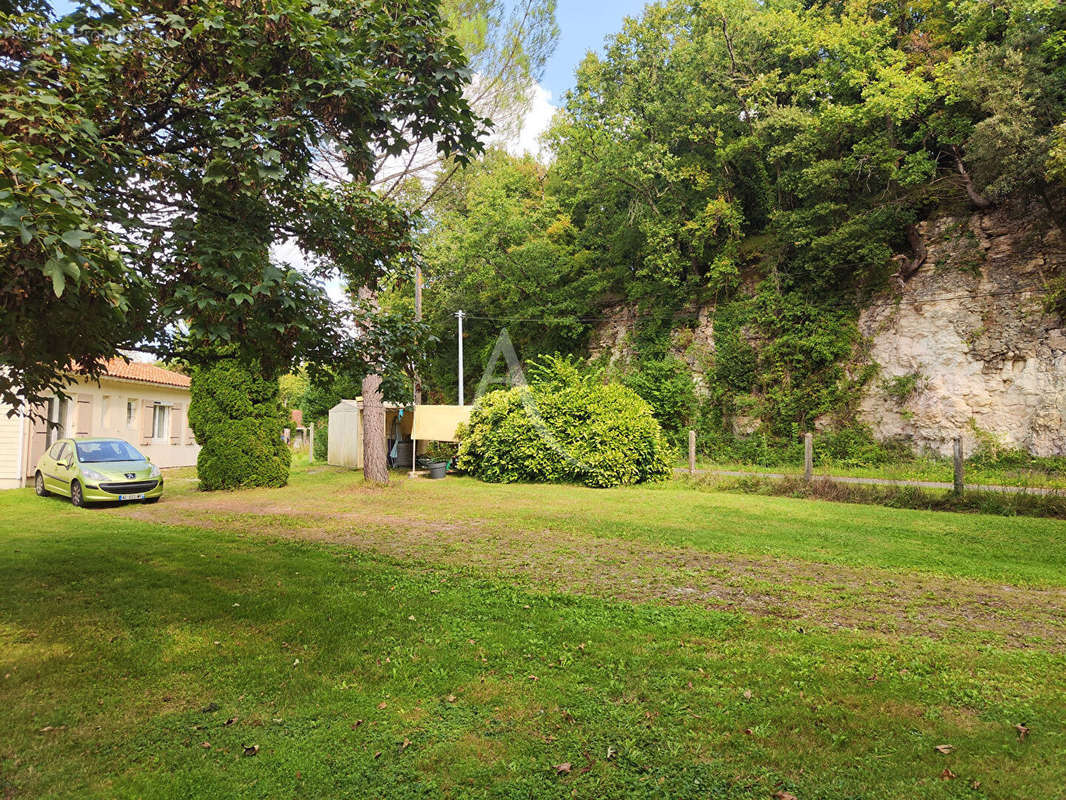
131	496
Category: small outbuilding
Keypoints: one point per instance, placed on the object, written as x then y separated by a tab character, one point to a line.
405	428
345	442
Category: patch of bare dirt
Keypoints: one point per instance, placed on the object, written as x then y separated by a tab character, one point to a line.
805	594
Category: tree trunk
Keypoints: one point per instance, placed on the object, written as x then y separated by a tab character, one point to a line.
375	464
976	198
907	269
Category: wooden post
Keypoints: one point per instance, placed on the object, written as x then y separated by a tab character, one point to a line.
311	443
958	465
692	452
808	456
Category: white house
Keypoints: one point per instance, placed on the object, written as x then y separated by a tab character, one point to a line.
144	404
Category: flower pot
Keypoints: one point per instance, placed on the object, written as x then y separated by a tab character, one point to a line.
438	469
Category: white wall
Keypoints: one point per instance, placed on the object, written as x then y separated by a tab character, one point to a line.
345	444
107	406
101	411
10	444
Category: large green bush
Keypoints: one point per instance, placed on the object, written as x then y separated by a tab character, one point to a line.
564	427
238	421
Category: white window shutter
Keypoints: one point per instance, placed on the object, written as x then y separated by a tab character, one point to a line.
84	418
176	419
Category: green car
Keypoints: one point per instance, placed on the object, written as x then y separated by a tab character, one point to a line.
97	470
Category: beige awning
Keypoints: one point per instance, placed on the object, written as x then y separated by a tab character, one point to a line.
438	423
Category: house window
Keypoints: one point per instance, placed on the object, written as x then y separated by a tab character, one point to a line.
131	413
160	421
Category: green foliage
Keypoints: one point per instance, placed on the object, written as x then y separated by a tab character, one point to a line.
293	388
787	350
666	385
150	154
235	415
1005	504
765	159
322	440
901	388
503	248
442	451
856	447
853	446
993	454
564	427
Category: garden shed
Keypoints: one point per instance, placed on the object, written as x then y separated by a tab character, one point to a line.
345	434
405	428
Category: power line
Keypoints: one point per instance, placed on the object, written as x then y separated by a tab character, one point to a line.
696	315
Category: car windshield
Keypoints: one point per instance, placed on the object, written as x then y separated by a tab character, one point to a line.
111	450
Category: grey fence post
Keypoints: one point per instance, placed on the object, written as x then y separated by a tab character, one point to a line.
692	452
958	465
311	443
808	456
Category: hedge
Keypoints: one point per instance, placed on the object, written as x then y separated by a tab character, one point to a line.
237	419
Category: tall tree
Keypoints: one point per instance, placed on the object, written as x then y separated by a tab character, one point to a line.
503	250
126	125
507	44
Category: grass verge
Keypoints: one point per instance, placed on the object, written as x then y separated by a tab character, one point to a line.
925	469
141	659
1007	504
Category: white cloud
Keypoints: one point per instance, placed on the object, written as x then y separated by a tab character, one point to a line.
535	123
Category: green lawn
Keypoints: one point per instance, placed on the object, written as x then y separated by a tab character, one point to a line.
938	470
456	639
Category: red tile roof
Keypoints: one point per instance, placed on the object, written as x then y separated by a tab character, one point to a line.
144	373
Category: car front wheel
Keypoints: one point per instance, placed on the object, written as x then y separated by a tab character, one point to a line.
76	497
38	485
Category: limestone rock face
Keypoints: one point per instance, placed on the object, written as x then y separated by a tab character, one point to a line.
970	334
966	337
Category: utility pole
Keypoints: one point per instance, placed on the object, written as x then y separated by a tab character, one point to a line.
460	315
417	384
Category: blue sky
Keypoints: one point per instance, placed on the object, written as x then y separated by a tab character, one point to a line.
583	26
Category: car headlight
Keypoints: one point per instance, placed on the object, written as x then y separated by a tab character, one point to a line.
155	472
92	475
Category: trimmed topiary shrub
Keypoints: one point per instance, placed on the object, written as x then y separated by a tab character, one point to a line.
238	421
321	440
564	427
